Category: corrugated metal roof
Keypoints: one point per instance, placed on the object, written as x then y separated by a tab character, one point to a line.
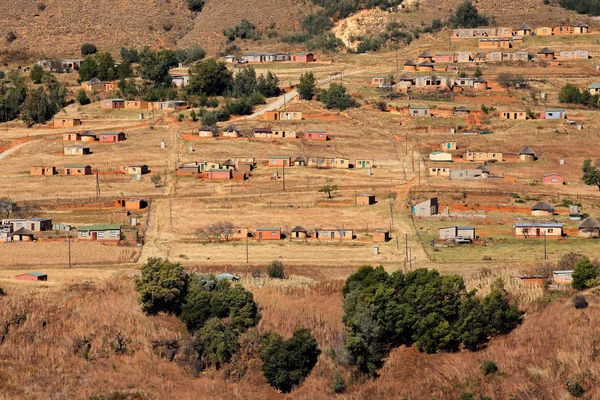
106	227
268	229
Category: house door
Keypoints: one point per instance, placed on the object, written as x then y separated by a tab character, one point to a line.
364	164
515	117
32	227
260	236
538	232
94	235
332	235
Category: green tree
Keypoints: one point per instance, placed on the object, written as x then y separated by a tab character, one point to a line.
82	97
276	270
268	85
130	55
106	67
467	16
315	24
155	65
36	109
336	97
88	69
214	344
287	363
591	175
307	85
7	207
88	49
244	82
210	77
36	74
193	116
195	5
195	53
328	188
570	94
162	286
585	274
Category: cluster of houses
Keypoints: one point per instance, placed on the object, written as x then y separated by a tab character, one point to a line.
233	131
437	82
168	105
579	28
232	169
89	136
84	169
318	162
266	57
71	64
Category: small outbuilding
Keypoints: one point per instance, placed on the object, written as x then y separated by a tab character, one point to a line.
111	137
526	154
32	276
364	199
268	233
299	232
23	235
553	179
381	235
542	209
589	228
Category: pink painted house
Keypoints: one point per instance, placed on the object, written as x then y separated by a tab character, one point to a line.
553	179
315	135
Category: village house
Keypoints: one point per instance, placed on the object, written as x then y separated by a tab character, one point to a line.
425	56
231	131
172	105
23	235
439	171
88	136
231	58
131	203
462	111
5	233
111	137
494	56
440	156
42	171
553	113
553	179
542	209
589	228
136	105
564	277
448	146
523	30
573	55
452	233
237	234
188	169
271	116
381	236
100	233
538	229
426	208
562	30
533	280
337	162
334	234
93	84
580	28
426	66
543	31
467	174
463	82
302	57
71	137
516	56
66	122
473	33
180	80
546	54
283	134
299	232
594	88
32	276
475	156
134	169
364	199
419	111
207	131
76	150
480	57
514	115
112	103
77	170
491	43
32	224
279	161
382	82
432	82
410	66
290	115
262	133
480	84
318	135
220	174
526	154
444	57
364	163
268	233
464	56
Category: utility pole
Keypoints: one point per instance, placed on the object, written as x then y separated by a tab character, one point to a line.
419	161
246	245
97	185
283	175
69	244
545	252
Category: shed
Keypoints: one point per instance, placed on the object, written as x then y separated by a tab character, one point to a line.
589	228
381	235
279	161
526	154
32	276
440	156
426	208
320	135
542	209
533	280
419	111
563	277
112	103
42	171
553	179
365	199
462	111
553	113
299	232
23	235
77	170
268	233
111	137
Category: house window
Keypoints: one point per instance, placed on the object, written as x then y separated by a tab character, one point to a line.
113	234
550	230
324	234
554	180
101	234
83	234
273	233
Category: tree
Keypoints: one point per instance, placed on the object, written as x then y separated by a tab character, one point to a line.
162	286
467	16
329	188
221	230
336	97
195	53
307	85
214	344
244	82
155	65
157	180
36	109
570	94
7	206
82	97
268	85
210	77
130	55
591	175
585	274
193	116
88	69
477	73
315	24
106	67
195	5
36	74
287	363
276	270
88	49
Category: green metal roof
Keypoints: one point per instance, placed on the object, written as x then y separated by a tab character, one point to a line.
76	166
555	110
219	170
36	273
316	130
595	85
279	157
111	133
419	107
107	227
268	229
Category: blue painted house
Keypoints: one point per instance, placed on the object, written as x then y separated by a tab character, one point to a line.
553	113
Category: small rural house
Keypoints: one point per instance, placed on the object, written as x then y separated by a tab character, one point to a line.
514	115
533	280
66	122
5	233
480	84
268	233
542	209
271	116
39	224
464	56
76	150
480	57
231	131
283	134
299	232
494	43
462	111
88	136
172	105
425	56
444	57
42	171
279	161
302	57
475	156
290	115
523	30
448	146
538	229
364	199
100	233
220	174
364	163
574	55
111	137
111	86
136	105
564	277
77	170
71	137
93	84
32	276
207	131
410	66
426	208
382	82
594	88
337	162
134	169
526	154
473	33
262	133
319	135
543	31
546	54
440	156
334	234
112	103
131	204
180	80
454	232
439	171
426	66
467	174
580	28
553	179
463	82
589	228
433	82
23	235
553	113
381	235
419	111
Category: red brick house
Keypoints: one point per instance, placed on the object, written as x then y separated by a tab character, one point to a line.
268	233
77	170
111	137
218	174
32	276
279	161
315	135
303	57
553	179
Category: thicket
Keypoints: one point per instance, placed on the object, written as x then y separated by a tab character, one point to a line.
571	94
244	30
591	7
335	97
467	16
422	307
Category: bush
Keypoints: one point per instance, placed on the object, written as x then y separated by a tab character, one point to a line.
41	6
195	5
576	389
467	16
88	49
167	26
37	74
585	274
338	385
162	286
579	301
82	98
11	36
306	86
195	53
591	7
315	24
489	367
276	270
244	30
336	97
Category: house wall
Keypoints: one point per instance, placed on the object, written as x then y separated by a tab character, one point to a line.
419	112
381	236
480	156
439	172
553	180
100	236
365	200
279	162
43	171
461	232
268	235
537	232
466	174
448	233
335	234
515	115
360	164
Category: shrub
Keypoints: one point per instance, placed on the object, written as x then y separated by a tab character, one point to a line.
167	26
338	385
382	106
36	74
584	274
162	286
336	97
276	270
576	389
579	301
88	49
244	30
195	53
11	36
195	5
315	24
489	367
82	98
591	7
193	116
41	6
467	16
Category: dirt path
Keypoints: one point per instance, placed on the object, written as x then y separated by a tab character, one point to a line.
12	150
